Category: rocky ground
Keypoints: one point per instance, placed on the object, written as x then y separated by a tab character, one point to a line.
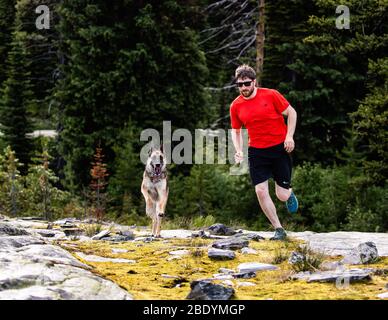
71	259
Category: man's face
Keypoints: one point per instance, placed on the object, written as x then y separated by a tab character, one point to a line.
246	86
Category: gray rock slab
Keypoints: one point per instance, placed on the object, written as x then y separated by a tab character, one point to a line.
13	242
93	258
10	230
101	235
220	254
247	250
232	243
341	276
204	290
342	242
221	229
254	267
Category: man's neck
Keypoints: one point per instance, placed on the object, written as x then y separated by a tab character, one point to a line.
252	95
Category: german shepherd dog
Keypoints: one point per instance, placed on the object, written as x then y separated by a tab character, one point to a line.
155	189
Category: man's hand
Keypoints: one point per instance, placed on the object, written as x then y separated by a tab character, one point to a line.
238	157
289	144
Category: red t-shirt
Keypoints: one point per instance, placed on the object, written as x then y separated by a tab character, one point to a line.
262	116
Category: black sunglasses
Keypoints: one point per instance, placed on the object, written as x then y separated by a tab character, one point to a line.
245	83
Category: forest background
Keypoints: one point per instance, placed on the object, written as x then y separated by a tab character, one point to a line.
106	70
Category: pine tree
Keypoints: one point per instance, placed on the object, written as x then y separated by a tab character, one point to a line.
7	16
98	184
16	98
11	184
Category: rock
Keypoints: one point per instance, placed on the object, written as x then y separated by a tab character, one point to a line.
351	275
221	230
128	234
383	295
204	290
247	250
225	270
363	254
180	252
117	250
254	267
48	233
231	243
73	232
8	229
222	276
244	275
296	257
200	234
250	236
118	238
93	258
220	254
245	284
9	243
341	276
101	234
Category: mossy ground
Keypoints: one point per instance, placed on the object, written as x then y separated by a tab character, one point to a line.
144	278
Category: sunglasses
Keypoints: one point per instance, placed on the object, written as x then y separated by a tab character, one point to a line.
245	83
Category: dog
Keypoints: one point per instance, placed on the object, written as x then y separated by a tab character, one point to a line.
155	188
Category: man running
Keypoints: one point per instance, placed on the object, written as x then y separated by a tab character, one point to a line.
261	111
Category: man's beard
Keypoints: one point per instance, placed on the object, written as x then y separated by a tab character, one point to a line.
247	93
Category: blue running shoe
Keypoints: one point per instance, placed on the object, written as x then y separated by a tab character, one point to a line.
292	203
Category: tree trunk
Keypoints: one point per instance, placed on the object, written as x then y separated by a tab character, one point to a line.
260	42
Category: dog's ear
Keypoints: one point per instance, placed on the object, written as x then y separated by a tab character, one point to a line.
150	151
161	147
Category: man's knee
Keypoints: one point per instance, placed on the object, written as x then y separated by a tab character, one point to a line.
262	191
282	194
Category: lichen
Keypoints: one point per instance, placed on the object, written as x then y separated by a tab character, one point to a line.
144	279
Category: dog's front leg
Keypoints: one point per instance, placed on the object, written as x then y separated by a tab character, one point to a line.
160	209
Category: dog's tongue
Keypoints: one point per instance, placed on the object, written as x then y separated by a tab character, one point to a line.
157	170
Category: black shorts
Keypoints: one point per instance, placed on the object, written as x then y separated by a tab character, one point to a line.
273	162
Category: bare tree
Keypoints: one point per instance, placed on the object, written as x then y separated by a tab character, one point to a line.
239	29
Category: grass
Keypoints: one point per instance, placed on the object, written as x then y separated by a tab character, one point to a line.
145	282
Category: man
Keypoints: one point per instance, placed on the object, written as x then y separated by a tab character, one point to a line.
261	111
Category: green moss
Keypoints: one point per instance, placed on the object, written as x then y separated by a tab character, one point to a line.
144	278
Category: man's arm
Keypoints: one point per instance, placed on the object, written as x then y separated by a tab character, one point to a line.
291	115
238	144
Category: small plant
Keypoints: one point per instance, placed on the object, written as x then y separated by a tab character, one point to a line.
92	229
305	259
280	256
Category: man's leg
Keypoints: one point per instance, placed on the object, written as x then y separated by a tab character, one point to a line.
282	193
267	204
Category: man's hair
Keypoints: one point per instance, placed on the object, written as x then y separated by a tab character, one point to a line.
245	71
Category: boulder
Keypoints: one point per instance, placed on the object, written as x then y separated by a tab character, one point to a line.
221	230
250	236
204	290
220	254
101	234
9	230
296	257
364	253
254	267
247	250
231	243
